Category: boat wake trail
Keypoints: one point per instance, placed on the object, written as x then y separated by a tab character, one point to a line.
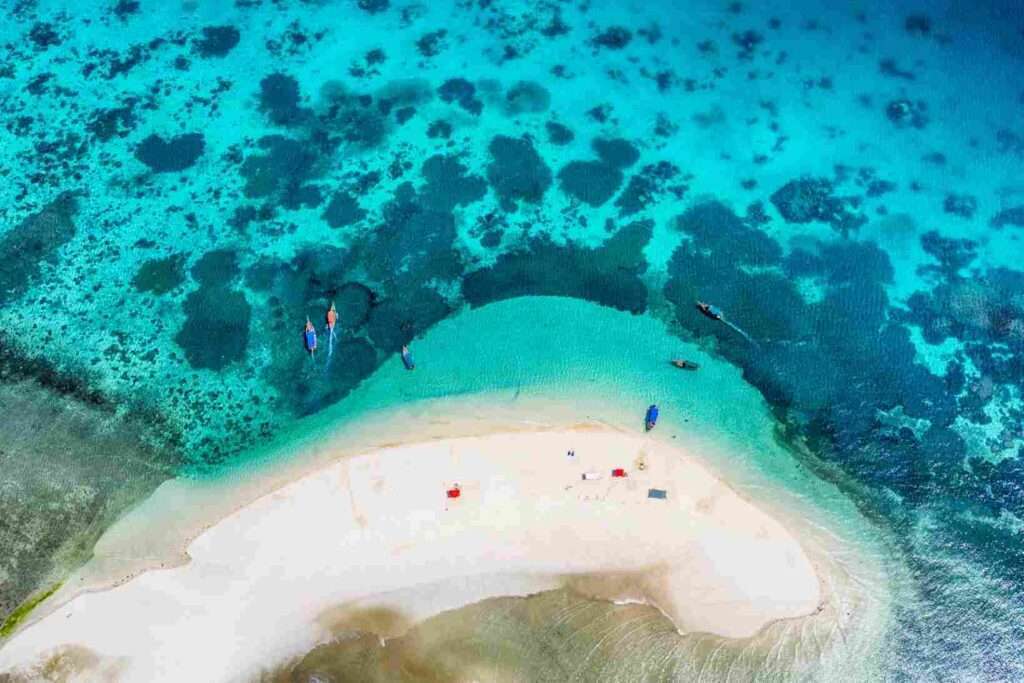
742	333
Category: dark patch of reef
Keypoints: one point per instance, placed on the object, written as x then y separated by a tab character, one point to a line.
517	172
610	275
33	244
813	199
171	155
595	182
217	41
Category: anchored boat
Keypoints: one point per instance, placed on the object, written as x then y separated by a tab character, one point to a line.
651	418
410	364
309	337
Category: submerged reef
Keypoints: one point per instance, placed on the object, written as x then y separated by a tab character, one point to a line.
217	41
171	155
813	199
609	275
34	244
517	172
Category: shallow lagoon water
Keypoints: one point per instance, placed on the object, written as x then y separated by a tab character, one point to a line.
186	183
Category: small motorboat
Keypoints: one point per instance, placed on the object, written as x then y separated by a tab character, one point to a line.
407	360
709	311
309	337
685	364
651	418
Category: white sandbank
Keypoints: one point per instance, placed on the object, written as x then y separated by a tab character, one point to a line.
376	530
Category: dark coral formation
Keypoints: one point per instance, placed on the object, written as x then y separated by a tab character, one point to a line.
960	205
986	309
373	6
279	100
285	163
953	255
918	24
448	184
906	112
609	275
747	41
172	155
159	276
398	319
646	186
613	38
216	268
431	44
416	238
356	120
123	9
812	199
616	152
217	316
591	182
595	182
439	129
343	210
559	134
43	36
216	329
35	241
1013	216
462	92
353	302
217	41
516	172
527	97
107	124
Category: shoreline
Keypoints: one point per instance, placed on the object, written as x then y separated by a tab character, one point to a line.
648	580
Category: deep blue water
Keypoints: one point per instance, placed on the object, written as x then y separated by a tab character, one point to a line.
184	183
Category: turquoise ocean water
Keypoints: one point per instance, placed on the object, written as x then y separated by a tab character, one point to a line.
184	183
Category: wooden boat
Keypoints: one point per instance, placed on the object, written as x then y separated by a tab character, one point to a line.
709	311
685	364
309	336
410	364
651	418
332	317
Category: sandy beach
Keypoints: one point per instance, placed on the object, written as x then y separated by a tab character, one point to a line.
377	534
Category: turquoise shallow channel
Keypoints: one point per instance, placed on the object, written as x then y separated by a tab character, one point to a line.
532	195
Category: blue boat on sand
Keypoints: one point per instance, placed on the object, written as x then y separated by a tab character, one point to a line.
651	418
